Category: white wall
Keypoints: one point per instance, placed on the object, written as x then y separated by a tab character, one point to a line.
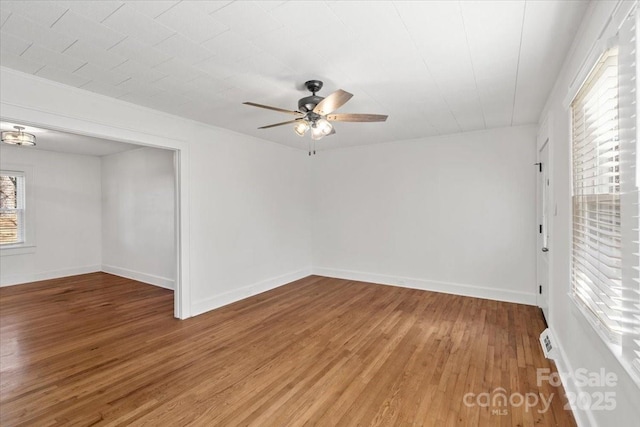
66	224
138	218
244	202
581	346
453	213
250	216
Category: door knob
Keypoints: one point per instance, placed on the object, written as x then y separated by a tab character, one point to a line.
545	249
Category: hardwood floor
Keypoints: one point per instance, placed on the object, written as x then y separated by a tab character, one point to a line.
101	350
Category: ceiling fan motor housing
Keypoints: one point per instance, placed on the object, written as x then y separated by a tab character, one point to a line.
308	103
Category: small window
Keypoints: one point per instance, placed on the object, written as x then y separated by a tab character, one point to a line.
12	208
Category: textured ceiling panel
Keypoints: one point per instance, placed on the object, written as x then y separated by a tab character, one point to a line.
434	67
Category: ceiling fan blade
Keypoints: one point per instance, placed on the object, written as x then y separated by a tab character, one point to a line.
282	110
348	117
278	124
332	102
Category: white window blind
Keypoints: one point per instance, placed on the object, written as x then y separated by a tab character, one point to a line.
605	272
629	195
12	208
596	272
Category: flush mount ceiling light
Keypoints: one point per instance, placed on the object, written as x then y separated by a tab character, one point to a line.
315	113
18	137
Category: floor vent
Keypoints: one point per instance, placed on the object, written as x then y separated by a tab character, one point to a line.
548	343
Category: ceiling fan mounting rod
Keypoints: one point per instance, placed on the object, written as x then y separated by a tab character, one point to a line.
313	86
308	103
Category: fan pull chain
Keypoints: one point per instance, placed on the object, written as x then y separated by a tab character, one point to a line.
311	147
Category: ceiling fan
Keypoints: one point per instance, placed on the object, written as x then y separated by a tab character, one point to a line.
315	113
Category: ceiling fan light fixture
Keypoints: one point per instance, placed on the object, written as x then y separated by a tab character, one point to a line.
316	133
324	126
301	127
18	137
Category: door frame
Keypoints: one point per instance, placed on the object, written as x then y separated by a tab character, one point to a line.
544	138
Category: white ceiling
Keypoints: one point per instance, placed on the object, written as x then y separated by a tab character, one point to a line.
63	142
435	67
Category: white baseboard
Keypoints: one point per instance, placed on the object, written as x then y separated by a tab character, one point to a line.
18	279
226	298
431	285
584	418
149	279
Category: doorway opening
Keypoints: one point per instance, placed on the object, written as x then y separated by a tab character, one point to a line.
104	142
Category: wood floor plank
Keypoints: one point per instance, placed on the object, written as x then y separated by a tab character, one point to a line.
102	350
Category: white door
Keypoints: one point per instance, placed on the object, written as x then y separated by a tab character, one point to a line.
543	214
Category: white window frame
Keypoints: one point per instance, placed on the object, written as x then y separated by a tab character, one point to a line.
626	343
28	245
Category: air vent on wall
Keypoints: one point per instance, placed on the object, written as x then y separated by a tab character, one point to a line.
547	341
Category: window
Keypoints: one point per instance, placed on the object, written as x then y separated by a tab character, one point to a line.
596	272
605	266
12	208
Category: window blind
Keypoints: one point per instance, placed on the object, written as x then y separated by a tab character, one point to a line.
605	272
596	255
629	195
12	208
